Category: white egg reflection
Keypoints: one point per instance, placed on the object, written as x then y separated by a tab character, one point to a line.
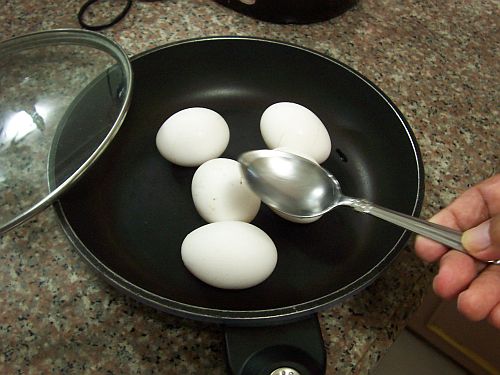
291	218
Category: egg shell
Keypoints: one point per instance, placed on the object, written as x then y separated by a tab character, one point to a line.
192	136
297	128
221	193
229	254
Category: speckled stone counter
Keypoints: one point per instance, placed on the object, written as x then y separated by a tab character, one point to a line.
438	61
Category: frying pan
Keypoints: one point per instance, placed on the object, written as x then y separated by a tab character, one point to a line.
130	212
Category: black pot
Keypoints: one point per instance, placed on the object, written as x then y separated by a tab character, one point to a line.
290	11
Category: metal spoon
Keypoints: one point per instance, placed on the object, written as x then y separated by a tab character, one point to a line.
299	187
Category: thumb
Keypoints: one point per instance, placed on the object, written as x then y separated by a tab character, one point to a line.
483	241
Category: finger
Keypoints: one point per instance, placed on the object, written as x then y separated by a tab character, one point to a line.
474	206
430	250
478	203
494	317
470	209
483	241
456	272
482	295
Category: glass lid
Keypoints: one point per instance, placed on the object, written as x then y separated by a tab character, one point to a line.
49	82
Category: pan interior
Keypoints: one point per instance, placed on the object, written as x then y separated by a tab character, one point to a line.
130	213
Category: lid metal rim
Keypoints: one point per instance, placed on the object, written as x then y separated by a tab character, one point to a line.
75	37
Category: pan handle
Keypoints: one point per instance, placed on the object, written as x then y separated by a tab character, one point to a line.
290	348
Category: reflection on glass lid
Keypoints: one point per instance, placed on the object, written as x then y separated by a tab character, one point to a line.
49	82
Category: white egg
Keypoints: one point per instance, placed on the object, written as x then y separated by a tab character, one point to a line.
192	136
229	254
297	128
221	193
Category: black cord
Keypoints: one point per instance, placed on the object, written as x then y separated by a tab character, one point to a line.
115	20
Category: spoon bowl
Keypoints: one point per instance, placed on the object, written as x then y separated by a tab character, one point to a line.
301	188
289	184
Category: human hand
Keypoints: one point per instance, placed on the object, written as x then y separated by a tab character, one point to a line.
477	285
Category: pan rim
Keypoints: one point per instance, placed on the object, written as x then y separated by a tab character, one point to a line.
262	316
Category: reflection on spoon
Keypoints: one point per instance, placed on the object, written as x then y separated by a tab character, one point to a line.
301	188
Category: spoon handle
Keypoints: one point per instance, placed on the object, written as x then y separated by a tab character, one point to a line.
439	233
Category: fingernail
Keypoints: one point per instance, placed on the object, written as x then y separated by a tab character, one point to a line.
478	238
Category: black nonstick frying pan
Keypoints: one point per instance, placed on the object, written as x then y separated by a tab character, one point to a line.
130	212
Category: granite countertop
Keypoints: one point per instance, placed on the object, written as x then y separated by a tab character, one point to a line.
438	61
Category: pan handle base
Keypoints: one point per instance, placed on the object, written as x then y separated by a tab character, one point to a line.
296	348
